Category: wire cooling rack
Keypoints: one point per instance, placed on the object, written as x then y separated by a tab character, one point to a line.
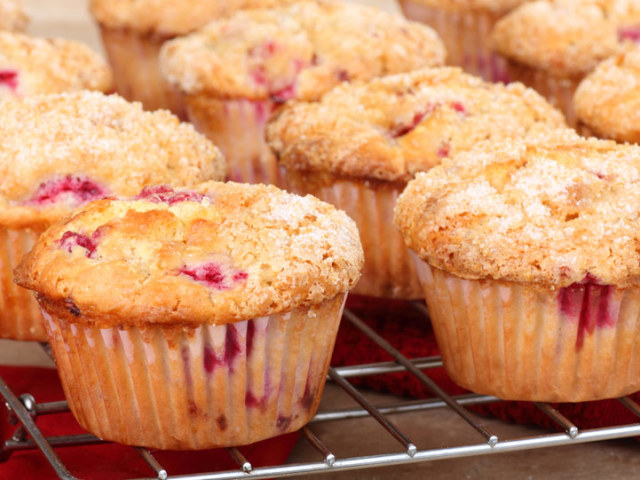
23	411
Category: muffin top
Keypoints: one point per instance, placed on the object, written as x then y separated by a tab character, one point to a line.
286	53
220	253
59	151
31	65
392	127
12	16
496	6
553	210
566	37
169	17
608	99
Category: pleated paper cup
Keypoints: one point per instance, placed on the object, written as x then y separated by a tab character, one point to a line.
558	91
211	386
465	36
389	270
20	317
237	127
134	60
523	342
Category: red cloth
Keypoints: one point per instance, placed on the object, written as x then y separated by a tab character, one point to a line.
406	329
109	461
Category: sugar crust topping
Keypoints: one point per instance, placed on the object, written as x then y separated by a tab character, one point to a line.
42	65
262	53
495	6
12	16
565	37
170	17
73	140
392	127
236	252
552	210
608	99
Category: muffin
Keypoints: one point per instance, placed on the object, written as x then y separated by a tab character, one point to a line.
359	145
551	45
234	73
531	267
30	66
12	16
134	30
195	319
60	151
607	101
464	26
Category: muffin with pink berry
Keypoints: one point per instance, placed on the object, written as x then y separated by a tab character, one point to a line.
234	73
359	145
193	319
12	16
133	31
607	101
528	252
552	45
30	66
464	26
61	151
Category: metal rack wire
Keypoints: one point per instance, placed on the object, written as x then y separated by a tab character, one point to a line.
24	412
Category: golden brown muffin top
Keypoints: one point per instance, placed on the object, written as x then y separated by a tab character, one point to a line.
12	16
608	99
169	17
220	253
59	151
392	127
566	37
288	53
29	66
497	6
553	210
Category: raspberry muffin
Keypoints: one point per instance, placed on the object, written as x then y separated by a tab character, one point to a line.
60	151
195	319
551	45
531	267
30	66
234	73
607	101
12	16
464	26
359	145
134	30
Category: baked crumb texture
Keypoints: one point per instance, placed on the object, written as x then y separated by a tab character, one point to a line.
30	66
566	38
608	100
217	254
13	16
169	17
390	128
552	211
59	151
285	53
494	6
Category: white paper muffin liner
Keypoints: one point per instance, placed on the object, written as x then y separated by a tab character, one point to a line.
237	128
557	90
521	342
465	36
136	70
212	386
20	317
388	271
